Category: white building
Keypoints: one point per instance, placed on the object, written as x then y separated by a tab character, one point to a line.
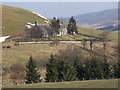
45	29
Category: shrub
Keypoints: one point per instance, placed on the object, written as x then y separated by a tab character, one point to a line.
70	54
18	73
40	63
18	68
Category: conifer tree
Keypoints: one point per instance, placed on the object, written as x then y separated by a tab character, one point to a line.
66	72
106	69
117	70
72	26
52	70
80	69
32	74
93	69
55	25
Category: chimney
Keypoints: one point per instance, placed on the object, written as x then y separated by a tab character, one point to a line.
36	22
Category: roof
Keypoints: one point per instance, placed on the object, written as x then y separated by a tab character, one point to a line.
41	30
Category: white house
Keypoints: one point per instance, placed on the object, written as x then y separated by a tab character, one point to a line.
45	29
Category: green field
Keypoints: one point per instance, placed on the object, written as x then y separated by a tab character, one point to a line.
112	35
14	19
110	83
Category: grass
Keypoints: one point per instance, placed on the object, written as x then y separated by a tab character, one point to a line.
112	35
22	53
14	19
41	52
110	83
89	31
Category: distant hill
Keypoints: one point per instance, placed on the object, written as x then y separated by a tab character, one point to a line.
14	19
102	19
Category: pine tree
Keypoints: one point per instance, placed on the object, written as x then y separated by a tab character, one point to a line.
117	70
93	69
66	72
72	26
106	69
52	71
88	73
80	69
55	25
32	75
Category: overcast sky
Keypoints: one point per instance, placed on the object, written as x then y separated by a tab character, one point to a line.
63	9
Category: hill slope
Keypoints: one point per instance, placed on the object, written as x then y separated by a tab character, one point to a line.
14	19
98	19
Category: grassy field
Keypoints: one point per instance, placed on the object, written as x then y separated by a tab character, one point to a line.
20	54
14	19
110	83
112	35
89	31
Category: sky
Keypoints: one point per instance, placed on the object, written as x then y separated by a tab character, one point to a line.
63	9
60	0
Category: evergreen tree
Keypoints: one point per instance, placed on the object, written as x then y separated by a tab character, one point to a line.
55	25
72	26
106	69
52	70
88	73
118	73
32	75
66	72
117	70
80	69
93	69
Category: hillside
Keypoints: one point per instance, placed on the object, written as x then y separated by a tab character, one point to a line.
14	19
98	19
111	83
112	35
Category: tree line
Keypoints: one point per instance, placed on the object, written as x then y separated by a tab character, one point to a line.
58	70
70	64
